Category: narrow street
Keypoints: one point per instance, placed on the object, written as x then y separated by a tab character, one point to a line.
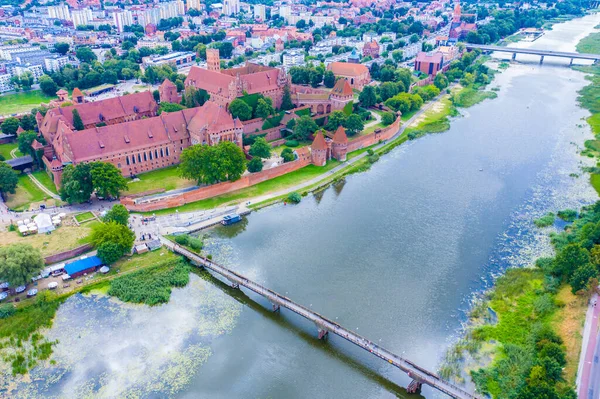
588	375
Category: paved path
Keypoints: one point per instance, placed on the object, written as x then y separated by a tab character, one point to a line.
42	187
588	374
376	121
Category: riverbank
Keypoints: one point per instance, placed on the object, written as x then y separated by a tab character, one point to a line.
523	338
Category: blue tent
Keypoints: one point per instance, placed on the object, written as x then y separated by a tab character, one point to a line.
82	264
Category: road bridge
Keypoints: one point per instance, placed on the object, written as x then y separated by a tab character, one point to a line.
541	53
325	326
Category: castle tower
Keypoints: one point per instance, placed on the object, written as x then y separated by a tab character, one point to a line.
457	13
213	61
318	150
168	92
341	94
340	144
77	96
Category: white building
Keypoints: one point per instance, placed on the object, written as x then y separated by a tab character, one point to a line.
149	16
168	10
81	17
285	12
6	52
260	12
231	7
122	18
194	4
180	7
55	63
36	70
60	11
293	58
5	84
153	43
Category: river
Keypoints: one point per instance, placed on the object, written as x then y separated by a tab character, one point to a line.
396	253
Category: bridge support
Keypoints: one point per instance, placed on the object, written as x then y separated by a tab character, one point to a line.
571	62
323	333
514	56
276	307
235	285
414	387
541	60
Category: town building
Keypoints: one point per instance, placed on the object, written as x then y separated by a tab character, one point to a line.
122	18
429	63
323	101
168	92
293	58
55	62
371	49
260	12
458	28
177	59
324	148
357	74
60	11
141	145
81	17
194	4
226	85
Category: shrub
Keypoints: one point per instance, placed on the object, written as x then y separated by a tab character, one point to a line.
182	239
288	155
545	221
292	143
196	244
294	198
7	310
568	215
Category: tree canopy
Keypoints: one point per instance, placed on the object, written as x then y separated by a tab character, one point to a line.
77	121
260	148
305	127
118	213
19	263
212	164
79	182
112	240
10	125
8	179
240	109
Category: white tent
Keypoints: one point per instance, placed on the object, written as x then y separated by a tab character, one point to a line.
23	229
44	223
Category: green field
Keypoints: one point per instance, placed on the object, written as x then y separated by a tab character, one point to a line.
279	183
46	180
22	102
167	178
27	193
589	44
5	150
84	216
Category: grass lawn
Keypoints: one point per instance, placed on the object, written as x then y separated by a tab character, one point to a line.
468	97
61	239
371	129
46	180
589	44
27	193
5	150
277	150
22	102
279	183
595	180
84	216
167	178
141	88
408	115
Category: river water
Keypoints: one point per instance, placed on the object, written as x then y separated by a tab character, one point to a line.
396	253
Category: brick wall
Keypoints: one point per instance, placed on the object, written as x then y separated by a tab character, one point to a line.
374	138
220	188
68	254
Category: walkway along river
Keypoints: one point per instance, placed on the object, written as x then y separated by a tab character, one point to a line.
395	254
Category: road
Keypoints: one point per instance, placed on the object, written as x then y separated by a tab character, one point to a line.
588	375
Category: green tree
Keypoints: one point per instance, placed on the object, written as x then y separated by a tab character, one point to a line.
156	95
10	125
441	81
24	142
118	213
169	107
329	79
388	90
76	183
19	263
193	97
8	179
335	120
61	48
28	122
288	155
48	86
255	165
388	118
240	109
305	127
397	55
212	164
112	232
260	148
316	77
109	252
367	97
354	124
569	259
107	179
286	101
264	107
77	121
582	275
467	80
85	54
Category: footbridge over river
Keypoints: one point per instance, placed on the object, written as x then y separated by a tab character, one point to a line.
541	53
325	326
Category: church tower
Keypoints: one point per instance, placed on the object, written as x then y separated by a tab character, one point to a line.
213	61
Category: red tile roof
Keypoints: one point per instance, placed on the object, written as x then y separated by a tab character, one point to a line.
255	78
340	136
347	69
211	81
435	58
77	92
342	88
319	142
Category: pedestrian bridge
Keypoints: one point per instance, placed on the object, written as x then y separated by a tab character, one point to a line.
541	53
325	326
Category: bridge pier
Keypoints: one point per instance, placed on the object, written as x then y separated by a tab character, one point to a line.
414	387
235	285
571	62
514	56
276	307
323	333
541	60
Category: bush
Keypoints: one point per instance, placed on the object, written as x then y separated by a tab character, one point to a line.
292	143
196	244
288	155
294	198
182	239
545	221
254	165
388	118
568	215
7	310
